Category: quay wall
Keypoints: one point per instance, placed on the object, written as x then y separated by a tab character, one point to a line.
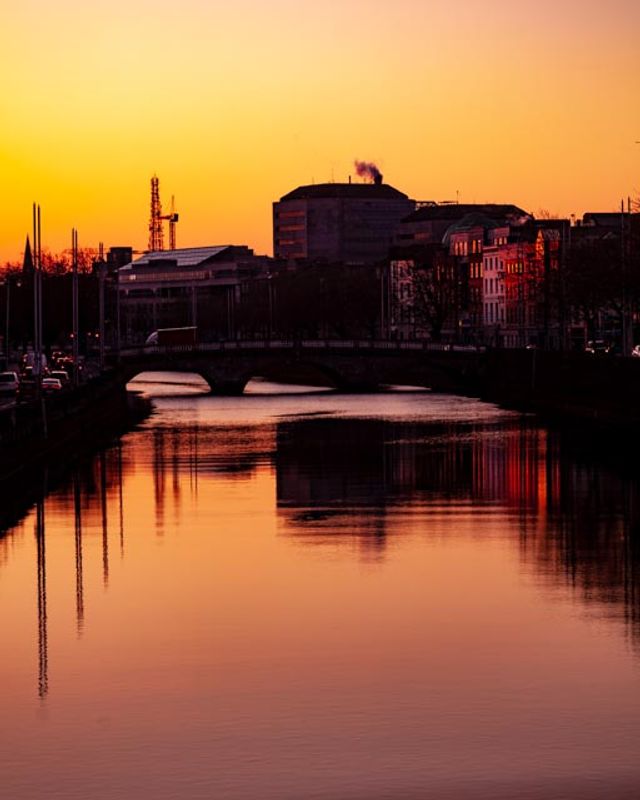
78	421
597	392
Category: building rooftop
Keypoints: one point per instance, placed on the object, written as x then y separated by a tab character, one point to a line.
475	219
360	191
604	219
456	211
183	257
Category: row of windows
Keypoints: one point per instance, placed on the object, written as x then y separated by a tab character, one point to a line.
157	277
493	312
493	286
290	228
461	248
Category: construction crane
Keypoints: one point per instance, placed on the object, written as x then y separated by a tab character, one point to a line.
156	229
172	218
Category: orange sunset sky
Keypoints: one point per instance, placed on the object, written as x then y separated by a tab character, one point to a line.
232	104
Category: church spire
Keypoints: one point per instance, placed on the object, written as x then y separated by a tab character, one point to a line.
27	263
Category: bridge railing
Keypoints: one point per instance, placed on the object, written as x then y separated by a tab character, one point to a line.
368	345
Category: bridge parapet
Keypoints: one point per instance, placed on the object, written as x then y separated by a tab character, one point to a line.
315	345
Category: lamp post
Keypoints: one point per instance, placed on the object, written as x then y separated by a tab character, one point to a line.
7	284
270	299
117	277
7	348
37	307
75	306
102	269
382	302
7	337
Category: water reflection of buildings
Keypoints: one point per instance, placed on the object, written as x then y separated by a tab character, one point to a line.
343	480
577	520
364	462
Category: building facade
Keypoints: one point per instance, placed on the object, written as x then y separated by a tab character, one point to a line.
490	280
352	223
196	287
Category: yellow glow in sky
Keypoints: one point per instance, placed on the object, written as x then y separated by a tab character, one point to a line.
234	104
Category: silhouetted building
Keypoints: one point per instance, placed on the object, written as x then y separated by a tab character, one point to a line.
492	278
429	223
193	286
118	257
338	222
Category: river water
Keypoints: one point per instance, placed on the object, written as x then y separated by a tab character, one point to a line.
311	595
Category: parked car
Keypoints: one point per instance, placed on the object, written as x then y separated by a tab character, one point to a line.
9	383
597	347
62	375
51	385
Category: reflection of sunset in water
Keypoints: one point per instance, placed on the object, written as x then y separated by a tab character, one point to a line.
243	603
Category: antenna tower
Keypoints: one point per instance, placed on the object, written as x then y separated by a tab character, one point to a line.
156	233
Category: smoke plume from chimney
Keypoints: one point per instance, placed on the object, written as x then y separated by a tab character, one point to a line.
368	170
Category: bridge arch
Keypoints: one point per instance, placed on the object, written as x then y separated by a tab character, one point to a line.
302	372
127	376
232	379
347	366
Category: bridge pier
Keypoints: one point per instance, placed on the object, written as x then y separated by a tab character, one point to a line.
358	387
227	388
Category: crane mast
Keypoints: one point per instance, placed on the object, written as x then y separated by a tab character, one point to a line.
156	232
156	219
173	218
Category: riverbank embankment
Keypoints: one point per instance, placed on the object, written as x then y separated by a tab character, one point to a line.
62	427
599	394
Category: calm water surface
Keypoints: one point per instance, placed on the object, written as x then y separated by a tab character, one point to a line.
324	596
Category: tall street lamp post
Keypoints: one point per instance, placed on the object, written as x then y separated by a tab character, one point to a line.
7	333
7	288
270	298
7	348
102	270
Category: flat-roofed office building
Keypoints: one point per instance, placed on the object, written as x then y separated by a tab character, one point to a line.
192	286
338	222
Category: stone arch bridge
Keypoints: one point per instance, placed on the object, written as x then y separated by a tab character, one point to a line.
347	365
